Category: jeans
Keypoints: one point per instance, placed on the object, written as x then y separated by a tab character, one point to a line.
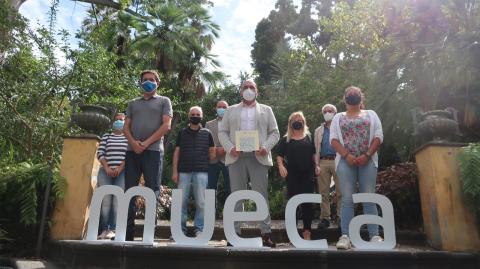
108	213
213	175
197	180
348	176
149	163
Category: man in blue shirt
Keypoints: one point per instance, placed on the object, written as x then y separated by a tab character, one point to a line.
325	160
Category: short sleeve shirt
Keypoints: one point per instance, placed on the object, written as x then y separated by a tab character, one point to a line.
298	154
146	117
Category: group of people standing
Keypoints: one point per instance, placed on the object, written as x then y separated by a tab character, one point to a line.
343	148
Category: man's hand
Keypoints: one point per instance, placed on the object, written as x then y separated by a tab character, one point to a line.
138	147
175	177
234	152
283	171
317	170
262	151
220	151
362	160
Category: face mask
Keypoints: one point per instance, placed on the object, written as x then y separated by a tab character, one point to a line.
149	86
249	95
328	116
220	112
297	125
118	124
353	99
195	120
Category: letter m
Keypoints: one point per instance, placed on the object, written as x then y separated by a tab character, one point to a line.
122	211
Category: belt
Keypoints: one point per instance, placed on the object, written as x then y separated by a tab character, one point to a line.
328	157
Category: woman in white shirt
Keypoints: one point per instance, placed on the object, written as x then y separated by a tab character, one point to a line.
356	135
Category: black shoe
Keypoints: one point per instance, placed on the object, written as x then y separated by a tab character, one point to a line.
324	224
267	240
229	245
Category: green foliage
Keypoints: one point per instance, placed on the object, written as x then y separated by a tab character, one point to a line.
19	184
22	188
470	173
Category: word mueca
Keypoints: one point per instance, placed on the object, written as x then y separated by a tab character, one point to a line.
229	217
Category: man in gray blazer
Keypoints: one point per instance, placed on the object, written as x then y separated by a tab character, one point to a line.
249	115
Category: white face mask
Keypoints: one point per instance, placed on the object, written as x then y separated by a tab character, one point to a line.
249	95
328	116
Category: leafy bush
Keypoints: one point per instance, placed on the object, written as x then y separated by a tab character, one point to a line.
22	188
400	184
470	175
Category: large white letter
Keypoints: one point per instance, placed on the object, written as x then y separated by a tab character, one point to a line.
229	217
387	222
291	222
176	219
122	211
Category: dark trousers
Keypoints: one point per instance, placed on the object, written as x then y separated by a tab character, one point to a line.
298	183
148	163
214	171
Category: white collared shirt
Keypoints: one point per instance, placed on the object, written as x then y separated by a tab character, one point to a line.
247	120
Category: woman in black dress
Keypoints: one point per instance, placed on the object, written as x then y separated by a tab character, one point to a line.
296	163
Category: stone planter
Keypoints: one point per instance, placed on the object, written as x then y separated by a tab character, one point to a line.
436	125
93	119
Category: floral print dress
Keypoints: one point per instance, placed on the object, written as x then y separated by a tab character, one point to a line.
356	133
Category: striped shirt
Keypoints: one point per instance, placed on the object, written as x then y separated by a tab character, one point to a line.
113	148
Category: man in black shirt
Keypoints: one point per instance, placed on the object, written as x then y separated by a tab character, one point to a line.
193	152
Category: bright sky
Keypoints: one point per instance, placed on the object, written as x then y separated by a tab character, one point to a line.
237	20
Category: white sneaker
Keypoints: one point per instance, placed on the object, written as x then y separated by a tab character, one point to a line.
376	238
344	242
110	234
102	235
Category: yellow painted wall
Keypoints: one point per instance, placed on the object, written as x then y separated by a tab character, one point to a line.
449	223
79	166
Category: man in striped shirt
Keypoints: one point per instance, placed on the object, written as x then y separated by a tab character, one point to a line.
111	154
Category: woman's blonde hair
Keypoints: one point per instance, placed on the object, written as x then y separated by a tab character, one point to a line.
289	133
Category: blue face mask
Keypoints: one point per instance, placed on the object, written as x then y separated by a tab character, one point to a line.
149	86
220	112
118	124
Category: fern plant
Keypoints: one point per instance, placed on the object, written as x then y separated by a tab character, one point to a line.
22	185
470	174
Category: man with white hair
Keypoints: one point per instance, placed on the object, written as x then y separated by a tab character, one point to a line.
249	115
193	152
325	161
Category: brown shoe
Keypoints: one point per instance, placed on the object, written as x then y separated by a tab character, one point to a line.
267	240
307	234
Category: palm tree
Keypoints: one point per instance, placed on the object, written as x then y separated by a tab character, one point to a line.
178	36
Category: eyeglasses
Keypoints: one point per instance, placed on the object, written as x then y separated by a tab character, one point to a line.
248	87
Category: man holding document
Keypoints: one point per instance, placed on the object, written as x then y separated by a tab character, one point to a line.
248	132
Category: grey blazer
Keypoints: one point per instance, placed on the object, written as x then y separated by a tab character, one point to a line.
266	126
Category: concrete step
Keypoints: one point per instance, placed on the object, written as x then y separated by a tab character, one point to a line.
279	234
94	255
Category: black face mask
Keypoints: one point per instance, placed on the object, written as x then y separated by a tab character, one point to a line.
297	125
353	99
195	120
